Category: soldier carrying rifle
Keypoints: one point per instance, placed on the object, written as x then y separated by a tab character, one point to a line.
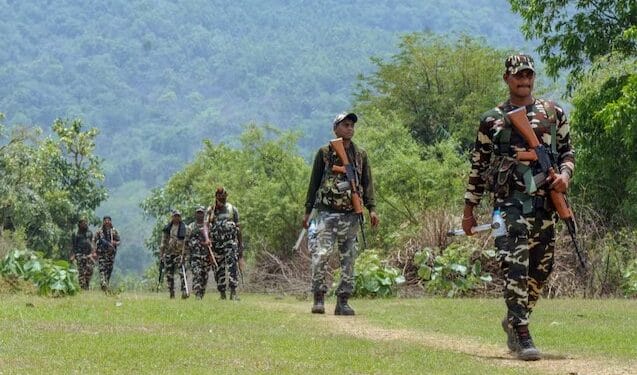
523	156
106	242
340	184
200	249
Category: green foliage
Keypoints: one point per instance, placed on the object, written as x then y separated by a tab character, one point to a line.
408	177
48	184
452	272
629	279
575	32
52	278
266	180
605	125
373	277
436	87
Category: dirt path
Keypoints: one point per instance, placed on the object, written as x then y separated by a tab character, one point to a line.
552	363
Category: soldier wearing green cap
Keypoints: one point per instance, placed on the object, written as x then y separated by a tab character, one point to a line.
526	250
172	251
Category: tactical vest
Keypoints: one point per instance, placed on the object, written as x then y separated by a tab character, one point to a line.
224	229
82	242
334	192
508	176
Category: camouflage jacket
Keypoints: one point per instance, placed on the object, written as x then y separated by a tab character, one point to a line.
82	242
324	192
106	239
171	240
493	164
225	226
195	238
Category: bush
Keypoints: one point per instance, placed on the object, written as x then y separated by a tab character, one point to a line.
54	278
372	278
452	272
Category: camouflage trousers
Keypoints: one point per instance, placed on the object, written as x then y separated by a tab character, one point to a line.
226	273
84	269
526	258
338	229
200	266
105	261
172	265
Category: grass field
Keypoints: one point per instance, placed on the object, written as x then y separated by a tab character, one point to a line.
148	333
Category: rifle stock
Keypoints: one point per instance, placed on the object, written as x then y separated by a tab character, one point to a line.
337	146
539	153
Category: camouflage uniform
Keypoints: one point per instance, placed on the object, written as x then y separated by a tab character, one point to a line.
83	252
199	257
336	223
526	252
106	242
174	253
225	229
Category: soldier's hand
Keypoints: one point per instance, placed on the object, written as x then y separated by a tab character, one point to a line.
374	218
306	219
242	264
560	182
468	221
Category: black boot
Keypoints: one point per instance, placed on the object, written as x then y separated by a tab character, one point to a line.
526	349
233	295
184	295
512	337
319	303
172	294
342	308
222	294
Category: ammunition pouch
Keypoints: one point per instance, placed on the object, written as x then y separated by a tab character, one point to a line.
500	176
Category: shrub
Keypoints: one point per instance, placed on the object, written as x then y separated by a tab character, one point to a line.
54	278
452	272
372	278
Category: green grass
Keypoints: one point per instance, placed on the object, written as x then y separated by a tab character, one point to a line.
148	333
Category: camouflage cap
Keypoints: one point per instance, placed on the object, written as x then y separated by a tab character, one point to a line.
176	213
200	209
342	116
519	62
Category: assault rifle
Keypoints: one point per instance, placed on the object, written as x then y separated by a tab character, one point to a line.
303	232
540	154
352	178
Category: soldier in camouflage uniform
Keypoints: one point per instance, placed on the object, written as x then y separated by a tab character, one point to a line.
336	222
172	251
83	253
228	244
106	241
526	252
199	247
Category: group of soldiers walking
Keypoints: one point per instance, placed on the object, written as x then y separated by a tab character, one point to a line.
212	241
88	248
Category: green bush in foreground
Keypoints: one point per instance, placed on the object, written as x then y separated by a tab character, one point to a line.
452	272
55	278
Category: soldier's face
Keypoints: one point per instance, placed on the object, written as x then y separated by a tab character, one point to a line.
345	129
107	223
220	200
199	216
83	225
521	83
176	219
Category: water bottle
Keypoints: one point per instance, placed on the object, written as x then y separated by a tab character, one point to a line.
498	225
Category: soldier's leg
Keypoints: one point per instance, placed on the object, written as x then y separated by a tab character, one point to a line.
514	261
541	252
102	265
326	230
81	270
347	245
196	267
233	267
110	262
220	273
169	271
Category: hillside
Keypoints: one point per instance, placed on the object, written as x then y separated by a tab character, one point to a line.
158	77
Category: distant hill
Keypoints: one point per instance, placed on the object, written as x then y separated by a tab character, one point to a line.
159	76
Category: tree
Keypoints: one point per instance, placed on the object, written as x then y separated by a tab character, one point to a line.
436	87
573	33
605	124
